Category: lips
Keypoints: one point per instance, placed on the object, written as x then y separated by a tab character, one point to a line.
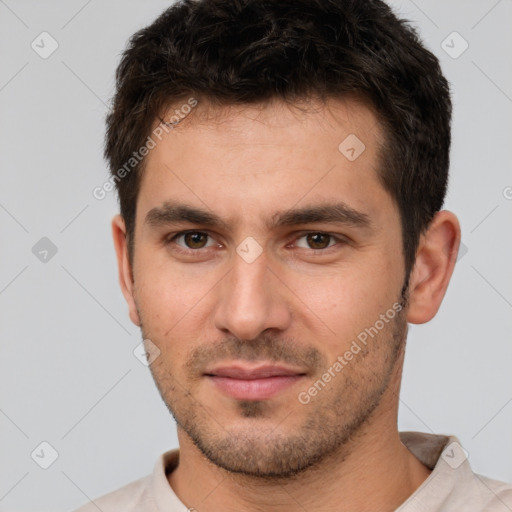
253	383
262	372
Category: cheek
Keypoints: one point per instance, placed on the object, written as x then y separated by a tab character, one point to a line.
166	313
173	300
345	301
161	298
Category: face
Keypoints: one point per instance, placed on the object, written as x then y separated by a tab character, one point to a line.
268	271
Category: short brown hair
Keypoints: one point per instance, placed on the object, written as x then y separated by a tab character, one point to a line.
251	51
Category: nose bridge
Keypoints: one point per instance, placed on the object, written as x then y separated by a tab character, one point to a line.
248	303
248	286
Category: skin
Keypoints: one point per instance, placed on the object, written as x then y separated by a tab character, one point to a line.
300	303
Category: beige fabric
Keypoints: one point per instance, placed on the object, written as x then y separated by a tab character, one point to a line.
452	485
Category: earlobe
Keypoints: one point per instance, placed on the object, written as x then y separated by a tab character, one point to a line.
124	266
435	261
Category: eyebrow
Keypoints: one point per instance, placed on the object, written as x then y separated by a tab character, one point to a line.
331	213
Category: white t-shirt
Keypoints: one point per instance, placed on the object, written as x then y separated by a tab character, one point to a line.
451	486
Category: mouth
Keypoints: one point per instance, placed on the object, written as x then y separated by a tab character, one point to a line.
263	382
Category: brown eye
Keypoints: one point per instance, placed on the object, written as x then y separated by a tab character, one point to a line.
195	239
318	240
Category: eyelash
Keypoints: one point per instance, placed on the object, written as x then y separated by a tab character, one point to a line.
171	240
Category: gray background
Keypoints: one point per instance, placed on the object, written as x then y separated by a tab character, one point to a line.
68	375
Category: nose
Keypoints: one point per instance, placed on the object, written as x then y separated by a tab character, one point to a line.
252	299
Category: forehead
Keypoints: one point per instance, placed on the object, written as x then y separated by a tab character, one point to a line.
267	157
274	120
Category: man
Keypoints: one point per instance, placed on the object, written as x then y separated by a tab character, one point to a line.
281	168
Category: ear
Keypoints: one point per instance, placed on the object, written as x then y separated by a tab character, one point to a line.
435	260
124	267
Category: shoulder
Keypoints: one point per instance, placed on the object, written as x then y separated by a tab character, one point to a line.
151	493
496	496
135	496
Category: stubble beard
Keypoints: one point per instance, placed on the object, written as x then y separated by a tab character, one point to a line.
262	448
